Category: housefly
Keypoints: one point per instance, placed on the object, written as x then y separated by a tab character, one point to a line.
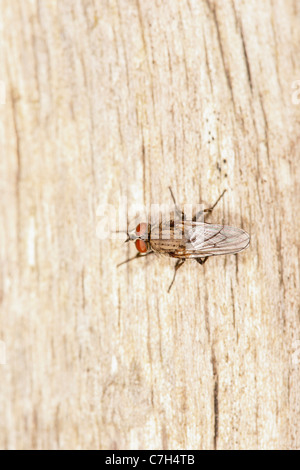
187	239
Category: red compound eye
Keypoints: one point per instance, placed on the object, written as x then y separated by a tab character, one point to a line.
141	229
141	246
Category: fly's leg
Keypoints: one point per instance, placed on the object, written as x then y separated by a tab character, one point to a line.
210	209
202	260
179	263
179	212
138	255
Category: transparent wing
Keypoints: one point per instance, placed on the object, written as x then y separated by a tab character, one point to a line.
204	239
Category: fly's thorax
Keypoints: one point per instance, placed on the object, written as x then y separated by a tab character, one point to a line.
167	237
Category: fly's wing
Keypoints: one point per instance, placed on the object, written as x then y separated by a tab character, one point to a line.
202	239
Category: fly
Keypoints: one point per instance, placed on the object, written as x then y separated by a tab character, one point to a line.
187	239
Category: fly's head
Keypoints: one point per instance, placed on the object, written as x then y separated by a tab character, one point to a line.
141	237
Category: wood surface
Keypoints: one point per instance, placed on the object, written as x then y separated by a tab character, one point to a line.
103	99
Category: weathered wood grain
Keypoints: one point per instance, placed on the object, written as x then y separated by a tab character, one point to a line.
105	99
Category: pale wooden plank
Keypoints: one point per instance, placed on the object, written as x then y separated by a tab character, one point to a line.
120	98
